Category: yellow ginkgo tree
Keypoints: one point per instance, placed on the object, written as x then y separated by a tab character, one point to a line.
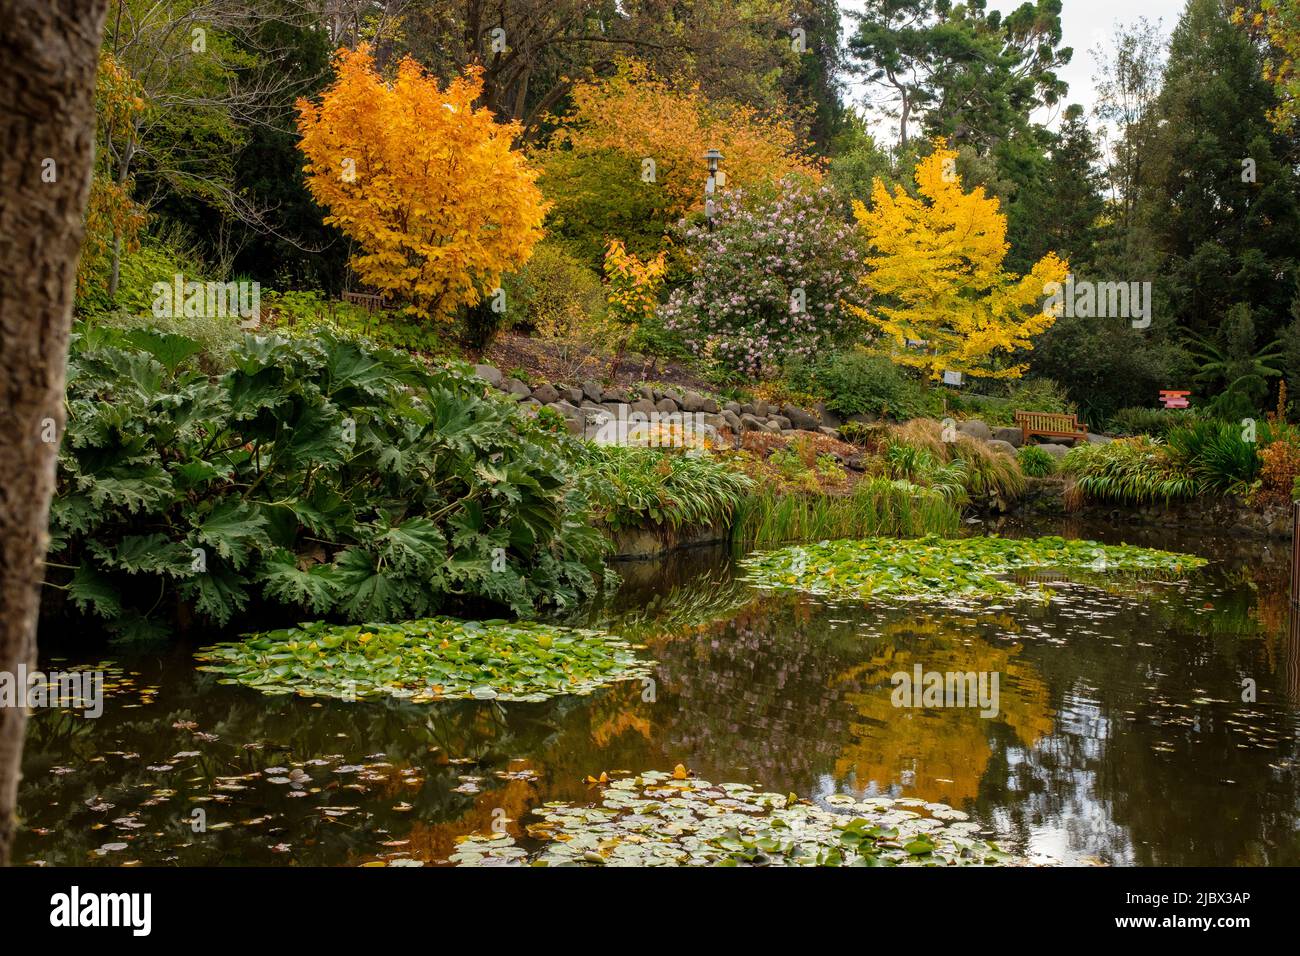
428	187
941	299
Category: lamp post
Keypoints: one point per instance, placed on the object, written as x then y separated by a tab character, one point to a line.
715	180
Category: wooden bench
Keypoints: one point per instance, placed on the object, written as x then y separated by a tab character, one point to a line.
371	303
1051	425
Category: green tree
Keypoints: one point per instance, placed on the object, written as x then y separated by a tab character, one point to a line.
1062	207
1221	202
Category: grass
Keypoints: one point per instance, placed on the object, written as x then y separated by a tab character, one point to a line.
1130	471
876	506
635	487
988	472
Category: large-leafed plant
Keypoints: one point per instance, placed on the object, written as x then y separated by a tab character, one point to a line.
318	473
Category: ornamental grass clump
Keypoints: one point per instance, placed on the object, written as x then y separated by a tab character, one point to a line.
1130	471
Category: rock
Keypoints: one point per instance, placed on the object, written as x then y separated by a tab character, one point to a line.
647	393
617	409
752	423
1012	436
976	429
827	416
643	405
567	410
747	409
733	407
575	425
592	391
1099	439
517	388
1004	447
732	420
1056	451
667	406
692	402
489	374
709	406
856	462
573	395
546	394
763	410
597	425
799	418
828	431
616	394
715	421
781	422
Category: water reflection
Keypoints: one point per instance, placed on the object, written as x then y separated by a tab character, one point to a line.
1122	733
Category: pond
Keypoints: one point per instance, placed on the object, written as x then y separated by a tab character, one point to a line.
1121	735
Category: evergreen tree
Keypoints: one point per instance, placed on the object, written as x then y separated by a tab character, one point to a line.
1220	202
1061	209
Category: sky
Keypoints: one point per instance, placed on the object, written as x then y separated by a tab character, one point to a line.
1084	23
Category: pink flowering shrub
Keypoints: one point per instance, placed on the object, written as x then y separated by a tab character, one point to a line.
770	281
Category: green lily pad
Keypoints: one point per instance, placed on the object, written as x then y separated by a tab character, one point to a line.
934	567
426	660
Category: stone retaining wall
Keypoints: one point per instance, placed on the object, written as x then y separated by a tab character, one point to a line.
594	411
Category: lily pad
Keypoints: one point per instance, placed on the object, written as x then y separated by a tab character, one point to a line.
934	567
656	820
426	660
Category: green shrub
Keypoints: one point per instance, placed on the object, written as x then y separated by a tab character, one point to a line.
1035	462
160	257
857	383
1217	454
554	295
1156	422
1040	395
317	474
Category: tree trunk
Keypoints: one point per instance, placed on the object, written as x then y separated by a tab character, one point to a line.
49	49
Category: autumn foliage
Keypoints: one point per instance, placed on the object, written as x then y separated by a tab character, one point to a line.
632	286
426	185
644	118
935	272
111	212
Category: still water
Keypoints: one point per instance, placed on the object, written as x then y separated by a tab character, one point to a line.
1122	736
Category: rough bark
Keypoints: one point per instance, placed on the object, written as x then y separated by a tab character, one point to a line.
49	49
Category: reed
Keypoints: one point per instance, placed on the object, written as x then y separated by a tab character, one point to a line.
876	507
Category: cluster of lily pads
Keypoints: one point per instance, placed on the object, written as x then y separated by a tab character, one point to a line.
663	819
426	660
934	567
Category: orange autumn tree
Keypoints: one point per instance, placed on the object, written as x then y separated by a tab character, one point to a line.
935	270
425	184
641	117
